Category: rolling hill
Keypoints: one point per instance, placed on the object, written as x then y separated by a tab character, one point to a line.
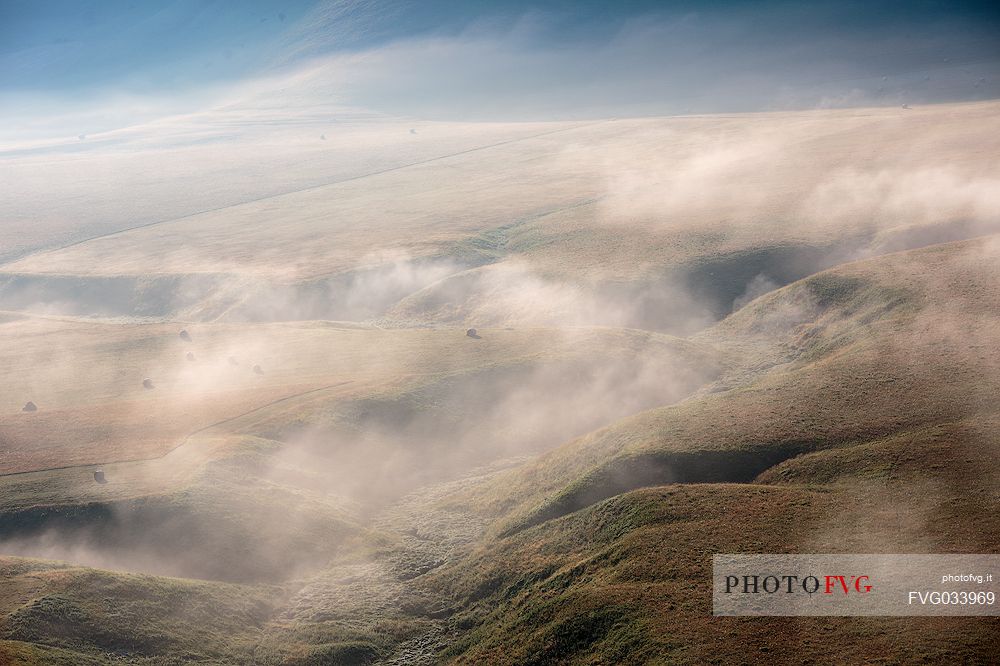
682	346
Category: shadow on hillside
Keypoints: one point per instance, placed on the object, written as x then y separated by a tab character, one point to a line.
630	472
679	301
174	537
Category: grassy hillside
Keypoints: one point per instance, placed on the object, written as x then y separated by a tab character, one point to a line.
838	444
93	412
848	356
329	468
653	223
64	614
824	440
272	488
838	396
627	581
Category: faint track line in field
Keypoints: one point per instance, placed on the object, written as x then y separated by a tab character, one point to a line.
307	188
187	438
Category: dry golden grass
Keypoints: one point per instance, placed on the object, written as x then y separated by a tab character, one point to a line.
852	411
684	188
849	356
92	411
629	581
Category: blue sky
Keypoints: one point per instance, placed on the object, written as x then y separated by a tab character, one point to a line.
477	59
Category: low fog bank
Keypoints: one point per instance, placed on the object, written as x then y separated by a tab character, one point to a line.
639	227
447	291
380	449
216	531
288	342
278	471
339	463
360	295
665	224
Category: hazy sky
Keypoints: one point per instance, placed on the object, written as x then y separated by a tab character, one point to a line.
476	59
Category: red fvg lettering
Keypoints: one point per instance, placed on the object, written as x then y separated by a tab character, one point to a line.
857	583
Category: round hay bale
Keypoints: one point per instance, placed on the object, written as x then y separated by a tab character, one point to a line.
472	333
29	407
99	476
147	383
185	336
258	370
